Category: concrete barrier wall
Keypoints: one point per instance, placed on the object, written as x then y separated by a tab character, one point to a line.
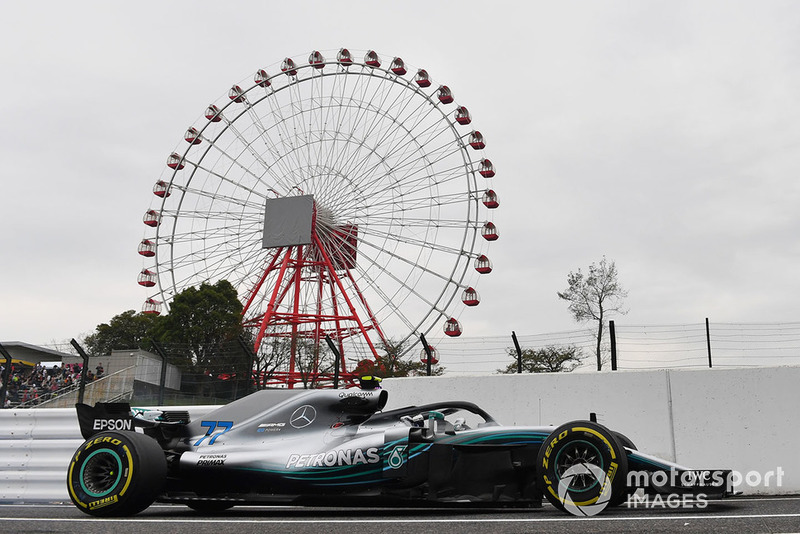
741	419
744	418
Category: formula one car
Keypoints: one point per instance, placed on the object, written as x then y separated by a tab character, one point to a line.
339	446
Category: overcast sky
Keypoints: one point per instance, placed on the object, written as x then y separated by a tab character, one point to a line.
663	135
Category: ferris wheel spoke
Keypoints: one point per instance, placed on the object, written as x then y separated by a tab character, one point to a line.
412	166
399	138
272	149
356	127
244	143
348	113
324	107
298	119
242	268
211	262
416	171
313	114
386	300
214	253
408	290
355	122
222	198
217	215
344	103
410	128
336	102
371	130
379	222
285	136
192	278
223	178
232	229
286	118
346	140
423	244
392	255
415	204
414	201
394	128
337	249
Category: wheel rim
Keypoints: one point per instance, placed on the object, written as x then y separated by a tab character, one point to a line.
575	453
101	472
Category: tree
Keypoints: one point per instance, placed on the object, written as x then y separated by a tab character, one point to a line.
595	296
549	359
128	330
270	358
314	362
391	364
202	319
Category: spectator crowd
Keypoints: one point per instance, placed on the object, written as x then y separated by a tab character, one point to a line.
29	386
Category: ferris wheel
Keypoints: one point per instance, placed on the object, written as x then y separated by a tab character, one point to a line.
344	196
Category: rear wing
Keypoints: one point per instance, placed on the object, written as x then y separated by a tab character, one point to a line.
119	416
104	416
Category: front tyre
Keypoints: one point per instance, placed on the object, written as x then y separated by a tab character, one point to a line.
625	441
582	468
116	474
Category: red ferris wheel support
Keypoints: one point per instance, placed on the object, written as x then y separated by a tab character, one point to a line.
311	296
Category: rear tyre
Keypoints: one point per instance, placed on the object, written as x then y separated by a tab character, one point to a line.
116	474
582	468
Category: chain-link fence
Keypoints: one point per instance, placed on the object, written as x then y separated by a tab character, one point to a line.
217	374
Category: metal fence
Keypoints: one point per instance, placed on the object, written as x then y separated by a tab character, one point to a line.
689	345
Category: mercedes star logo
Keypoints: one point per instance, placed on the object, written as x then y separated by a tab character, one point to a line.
303	416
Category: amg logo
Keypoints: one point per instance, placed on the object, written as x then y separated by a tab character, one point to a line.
112	424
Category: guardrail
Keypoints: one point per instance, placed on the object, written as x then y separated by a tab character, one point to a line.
35	448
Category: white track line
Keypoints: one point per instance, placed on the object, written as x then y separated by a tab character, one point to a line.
450	520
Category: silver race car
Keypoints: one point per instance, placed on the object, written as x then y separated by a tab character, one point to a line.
339	447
